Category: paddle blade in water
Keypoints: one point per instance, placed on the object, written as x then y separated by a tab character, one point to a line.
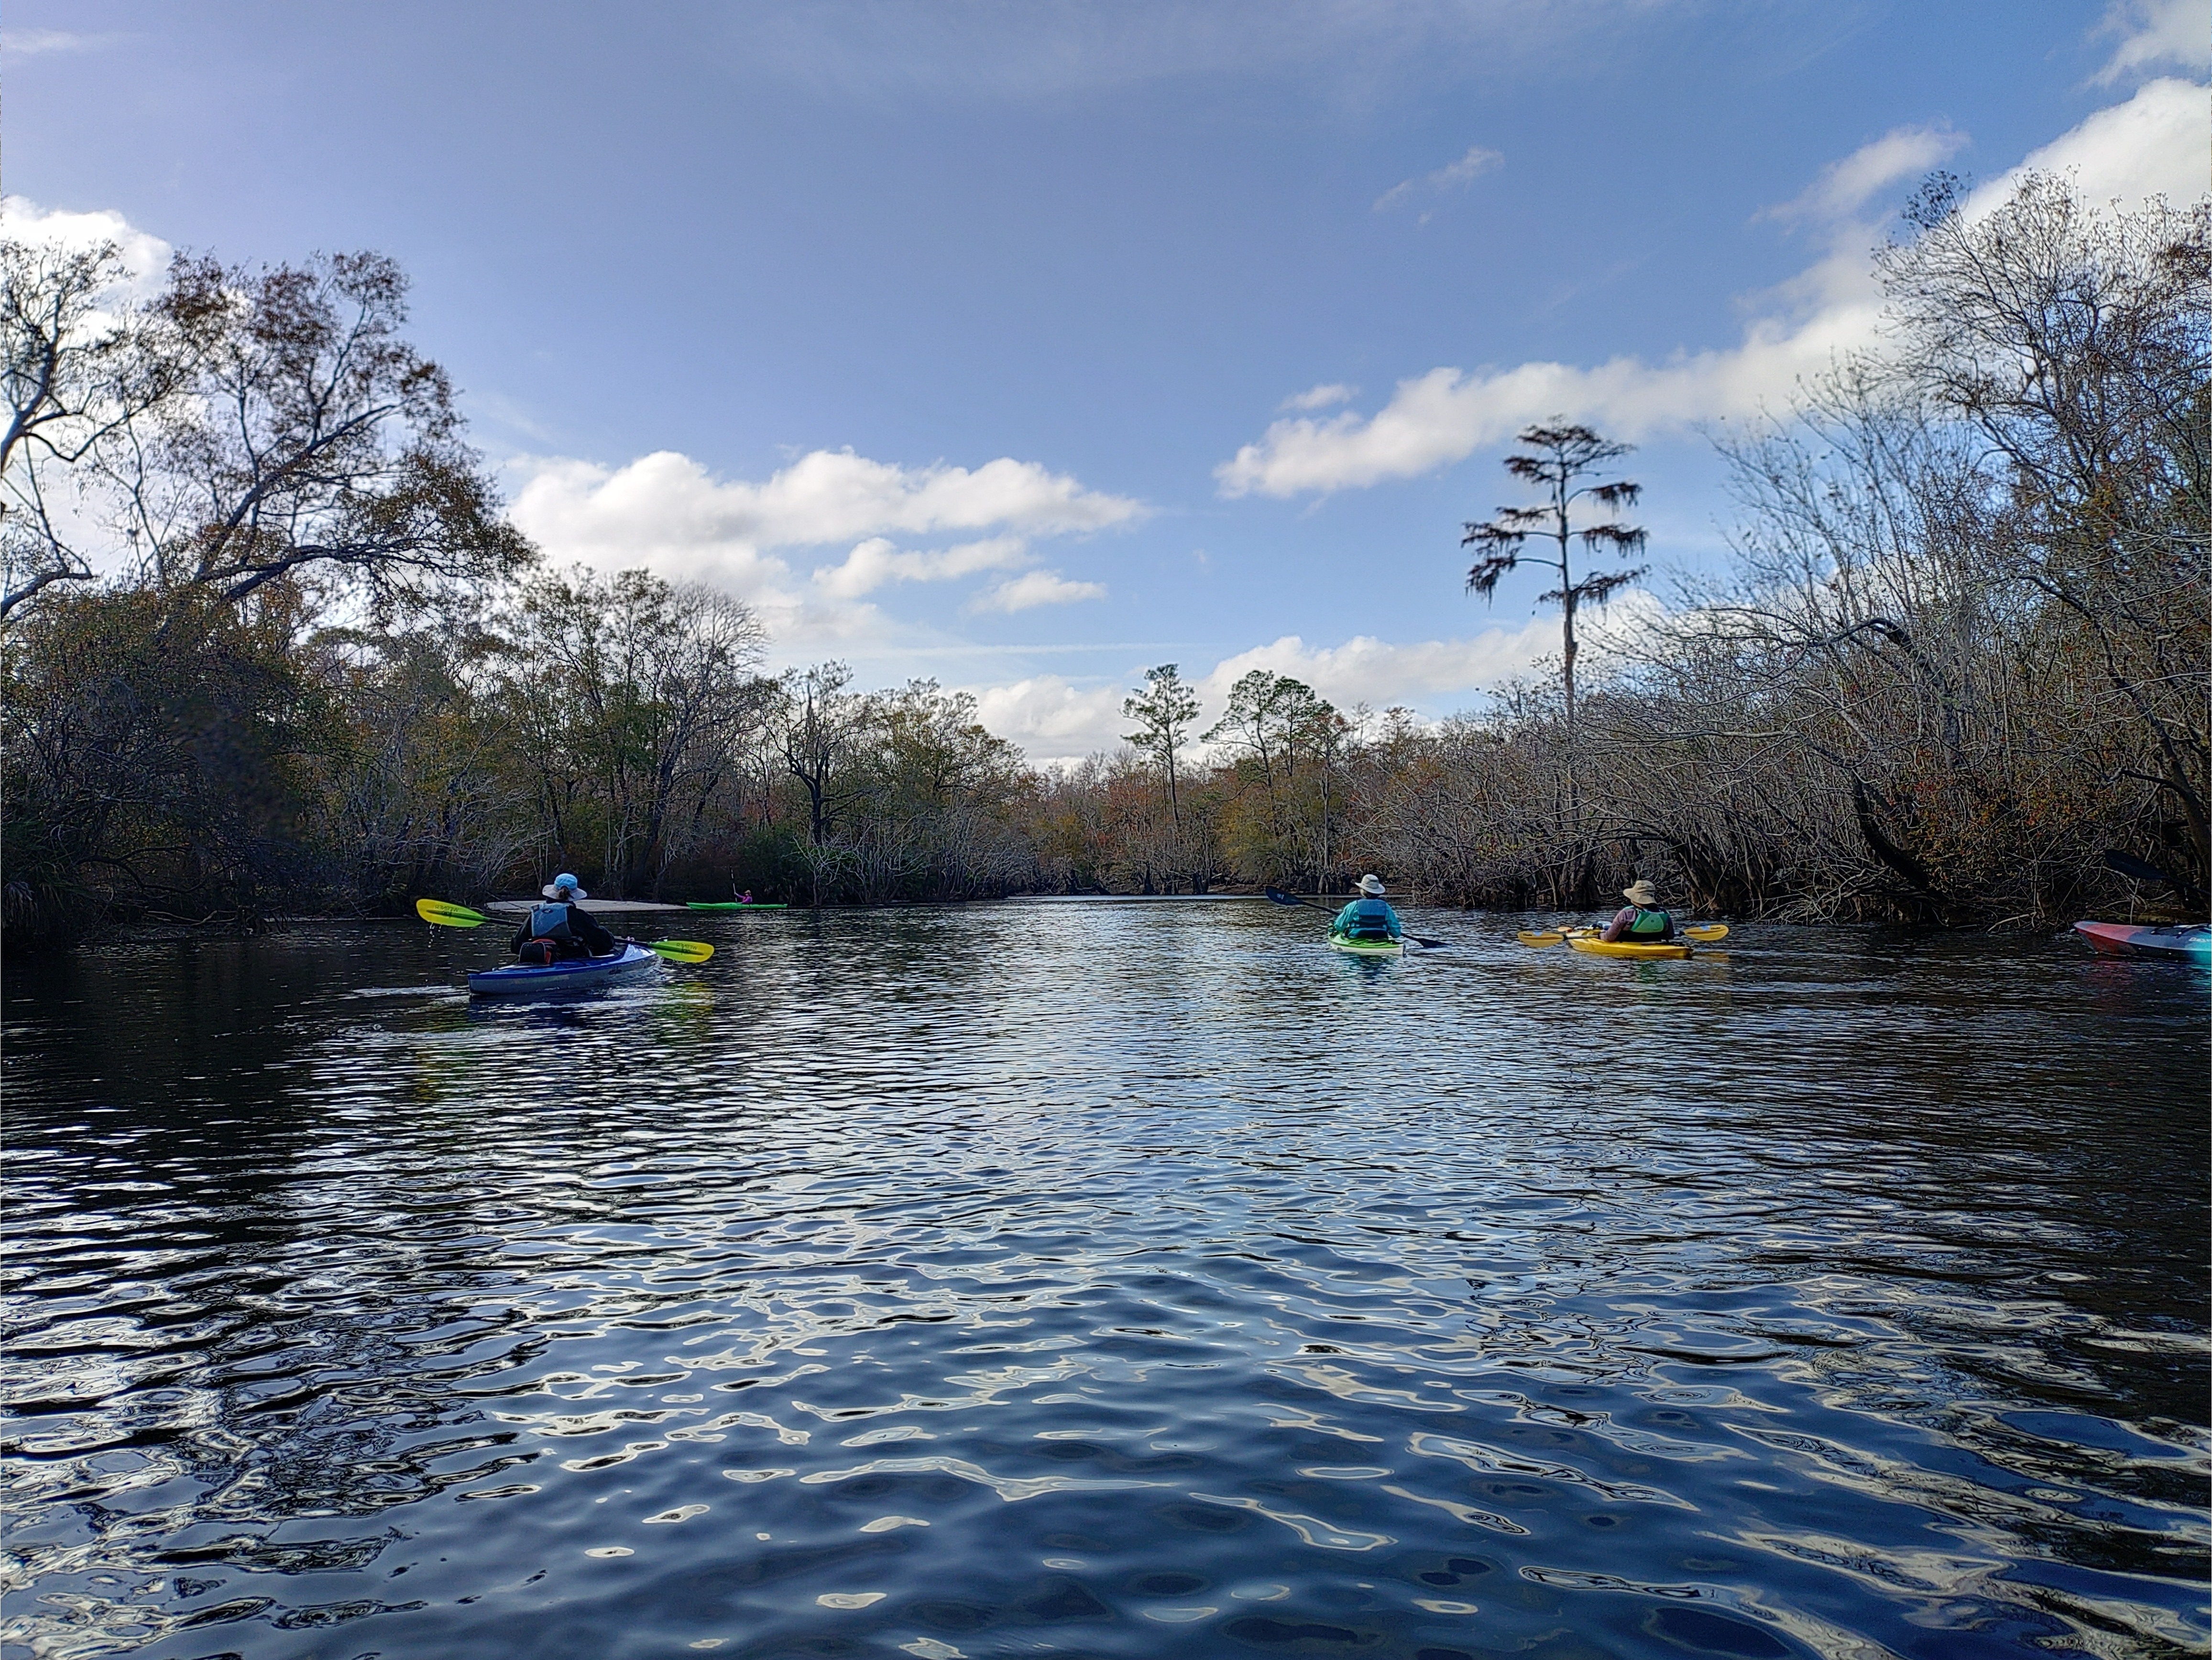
1707	931
1540	940
679	951
439	913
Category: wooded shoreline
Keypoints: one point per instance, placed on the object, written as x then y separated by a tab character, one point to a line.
1958	668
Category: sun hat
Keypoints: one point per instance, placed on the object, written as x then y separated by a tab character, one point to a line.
552	888
1640	892
1371	884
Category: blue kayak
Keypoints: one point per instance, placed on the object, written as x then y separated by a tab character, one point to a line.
531	979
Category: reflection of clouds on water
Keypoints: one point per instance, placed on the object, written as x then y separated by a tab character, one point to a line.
1001	1274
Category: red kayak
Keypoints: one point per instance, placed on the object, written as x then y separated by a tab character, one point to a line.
2193	944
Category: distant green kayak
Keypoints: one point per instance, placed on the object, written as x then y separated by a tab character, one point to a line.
1366	947
729	904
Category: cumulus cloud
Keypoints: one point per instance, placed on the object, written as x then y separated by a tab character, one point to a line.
2152	144
1366	670
877	560
2153	34
145	256
667	513
1036	587
1453	175
1054	719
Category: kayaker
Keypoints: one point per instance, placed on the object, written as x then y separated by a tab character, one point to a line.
1640	922
1369	916
561	929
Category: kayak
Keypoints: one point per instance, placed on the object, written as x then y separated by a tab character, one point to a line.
2193	944
728	904
1366	947
1597	947
523	979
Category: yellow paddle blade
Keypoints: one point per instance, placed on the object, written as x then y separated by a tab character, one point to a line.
1550	936
1707	932
679	951
439	913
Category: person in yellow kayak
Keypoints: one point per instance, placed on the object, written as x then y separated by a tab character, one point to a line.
1640	922
561	930
1369	916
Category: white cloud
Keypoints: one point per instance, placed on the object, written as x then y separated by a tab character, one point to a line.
1366	670
877	560
668	513
2154	143
2155	33
1845	187
1320	397
36	43
1052	719
144	256
1453	175
1037	588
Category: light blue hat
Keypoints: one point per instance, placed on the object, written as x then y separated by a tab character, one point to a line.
552	889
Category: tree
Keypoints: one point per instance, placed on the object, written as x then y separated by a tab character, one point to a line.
1164	711
79	362
1565	455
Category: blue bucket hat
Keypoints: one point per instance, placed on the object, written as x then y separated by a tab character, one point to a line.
552	889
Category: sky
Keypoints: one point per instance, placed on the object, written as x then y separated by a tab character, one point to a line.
1024	346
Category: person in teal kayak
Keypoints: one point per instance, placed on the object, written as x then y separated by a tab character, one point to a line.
1640	922
560	930
1369	916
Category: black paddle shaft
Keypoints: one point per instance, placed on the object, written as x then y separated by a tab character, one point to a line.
1282	898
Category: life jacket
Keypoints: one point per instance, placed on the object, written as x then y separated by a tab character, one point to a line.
1371	920
550	921
1648	926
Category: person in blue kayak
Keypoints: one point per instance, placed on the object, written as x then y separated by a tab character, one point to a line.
561	930
1640	923
1369	916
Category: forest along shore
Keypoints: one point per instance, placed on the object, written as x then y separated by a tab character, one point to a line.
1961	657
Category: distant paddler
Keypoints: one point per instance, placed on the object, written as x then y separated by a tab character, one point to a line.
1640	923
1369	916
561	930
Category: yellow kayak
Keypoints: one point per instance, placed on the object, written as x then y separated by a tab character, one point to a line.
1597	947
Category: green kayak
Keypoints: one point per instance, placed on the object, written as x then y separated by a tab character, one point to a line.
1366	947
728	904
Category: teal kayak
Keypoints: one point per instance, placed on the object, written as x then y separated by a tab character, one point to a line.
728	904
2191	943
1366	947
531	979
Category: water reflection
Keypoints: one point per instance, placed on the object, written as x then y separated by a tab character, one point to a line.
1112	1282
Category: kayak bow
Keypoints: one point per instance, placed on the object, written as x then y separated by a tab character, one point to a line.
2193	944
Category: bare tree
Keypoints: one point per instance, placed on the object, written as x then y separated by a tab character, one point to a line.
1564	457
80	361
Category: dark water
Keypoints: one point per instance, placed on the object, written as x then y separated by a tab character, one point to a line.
1108	1280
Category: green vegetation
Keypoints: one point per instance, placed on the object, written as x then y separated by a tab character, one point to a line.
1962	652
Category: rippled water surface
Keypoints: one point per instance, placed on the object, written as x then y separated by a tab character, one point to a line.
1107	1280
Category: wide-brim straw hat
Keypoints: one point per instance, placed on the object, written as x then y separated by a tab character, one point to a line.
1371	884
552	888
1640	893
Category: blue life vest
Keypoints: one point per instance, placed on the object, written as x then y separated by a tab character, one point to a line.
550	922
1372	920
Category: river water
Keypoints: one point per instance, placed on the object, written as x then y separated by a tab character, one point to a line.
1107	1280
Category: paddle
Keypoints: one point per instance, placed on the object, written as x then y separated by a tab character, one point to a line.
1703	932
1282	898
440	914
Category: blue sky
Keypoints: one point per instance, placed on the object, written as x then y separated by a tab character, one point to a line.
969	340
